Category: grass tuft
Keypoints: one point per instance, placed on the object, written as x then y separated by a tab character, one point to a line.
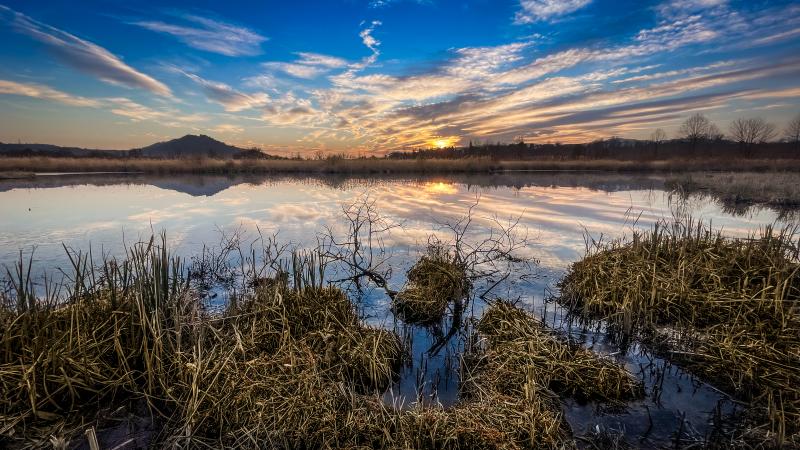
525	354
435	281
725	308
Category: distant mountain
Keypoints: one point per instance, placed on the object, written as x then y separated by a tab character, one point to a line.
187	146
54	150
190	145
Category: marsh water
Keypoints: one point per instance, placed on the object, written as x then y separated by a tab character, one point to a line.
557	212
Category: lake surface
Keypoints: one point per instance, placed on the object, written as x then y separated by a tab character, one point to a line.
106	212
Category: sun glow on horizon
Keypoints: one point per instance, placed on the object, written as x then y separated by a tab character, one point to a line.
444	142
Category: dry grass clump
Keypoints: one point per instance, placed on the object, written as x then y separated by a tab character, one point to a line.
433	282
289	365
725	308
524	353
279	366
494	421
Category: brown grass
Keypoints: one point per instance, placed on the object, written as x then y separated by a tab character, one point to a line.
525	355
288	365
379	165
435	281
725	308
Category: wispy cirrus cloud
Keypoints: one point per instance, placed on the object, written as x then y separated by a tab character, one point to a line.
367	37
681	8
308	65
229	98
81	54
384	3
165	116
40	91
541	10
514	90
120	106
209	35
501	93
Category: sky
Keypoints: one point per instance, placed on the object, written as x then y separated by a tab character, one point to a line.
372	76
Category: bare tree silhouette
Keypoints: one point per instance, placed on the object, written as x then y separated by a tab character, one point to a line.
696	129
749	132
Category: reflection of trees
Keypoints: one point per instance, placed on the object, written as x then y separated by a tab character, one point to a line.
738	195
207	185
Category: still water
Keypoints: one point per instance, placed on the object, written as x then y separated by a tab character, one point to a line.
556	211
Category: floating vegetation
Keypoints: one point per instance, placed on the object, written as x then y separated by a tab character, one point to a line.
524	354
725	308
435	281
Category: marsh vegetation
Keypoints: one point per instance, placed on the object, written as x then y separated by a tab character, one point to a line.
727	309
129	347
267	344
367	166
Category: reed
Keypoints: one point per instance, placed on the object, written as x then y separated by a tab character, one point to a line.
134	331
287	365
725	308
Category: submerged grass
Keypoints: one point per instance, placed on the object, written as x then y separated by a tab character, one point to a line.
435	281
725	308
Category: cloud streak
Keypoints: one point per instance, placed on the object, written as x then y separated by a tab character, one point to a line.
229	98
539	10
40	91
307	66
120	106
83	55
210	35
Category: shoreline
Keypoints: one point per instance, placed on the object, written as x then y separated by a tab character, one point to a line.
13	167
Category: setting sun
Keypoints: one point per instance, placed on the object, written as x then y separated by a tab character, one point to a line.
444	142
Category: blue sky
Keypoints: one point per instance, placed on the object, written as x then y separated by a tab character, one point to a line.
369	76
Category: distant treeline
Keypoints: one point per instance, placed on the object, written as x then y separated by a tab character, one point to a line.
698	138
624	149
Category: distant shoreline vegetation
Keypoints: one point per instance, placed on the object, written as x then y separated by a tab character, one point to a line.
28	166
698	139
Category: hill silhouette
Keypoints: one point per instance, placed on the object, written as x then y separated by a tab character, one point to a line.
190	146
184	147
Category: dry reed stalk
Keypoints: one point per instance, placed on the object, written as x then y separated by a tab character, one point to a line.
727	309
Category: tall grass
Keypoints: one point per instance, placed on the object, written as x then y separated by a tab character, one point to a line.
725	308
288	364
134	331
